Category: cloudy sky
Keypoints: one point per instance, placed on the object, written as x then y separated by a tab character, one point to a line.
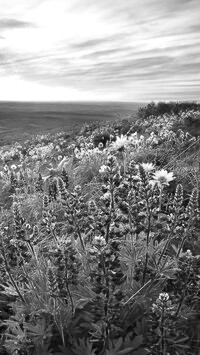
118	50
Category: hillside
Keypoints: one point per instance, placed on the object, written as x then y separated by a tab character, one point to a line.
100	246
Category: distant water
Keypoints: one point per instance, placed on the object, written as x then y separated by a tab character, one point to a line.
18	119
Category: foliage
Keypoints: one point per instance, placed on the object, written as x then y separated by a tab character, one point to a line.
99	245
170	108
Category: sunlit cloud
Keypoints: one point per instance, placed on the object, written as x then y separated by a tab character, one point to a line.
107	50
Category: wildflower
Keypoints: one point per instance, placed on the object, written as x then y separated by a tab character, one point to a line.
106	198
103	169
155	141
111	161
99	241
13	167
6	169
120	143
60	157
188	253
163	305
77	153
153	183
162	177
154	308
77	189
31	152
100	146
134	135
163	296
72	146
188	135
148	167
91	145
193	139
92	207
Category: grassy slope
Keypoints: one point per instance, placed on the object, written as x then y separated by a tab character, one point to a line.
78	115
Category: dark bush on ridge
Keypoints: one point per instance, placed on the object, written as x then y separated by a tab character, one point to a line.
167	107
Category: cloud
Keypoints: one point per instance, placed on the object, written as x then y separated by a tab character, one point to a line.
10	23
146	48
195	28
106	52
98	42
90	43
151	69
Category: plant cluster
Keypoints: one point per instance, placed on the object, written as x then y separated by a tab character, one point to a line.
169	108
98	253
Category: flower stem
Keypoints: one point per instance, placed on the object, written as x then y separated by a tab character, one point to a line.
12	279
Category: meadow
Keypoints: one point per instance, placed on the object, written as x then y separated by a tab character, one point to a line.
99	238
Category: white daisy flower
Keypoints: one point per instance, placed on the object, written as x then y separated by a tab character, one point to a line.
148	167
162	177
120	143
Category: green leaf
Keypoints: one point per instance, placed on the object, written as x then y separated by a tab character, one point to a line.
137	342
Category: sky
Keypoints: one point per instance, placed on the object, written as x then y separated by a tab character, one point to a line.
99	50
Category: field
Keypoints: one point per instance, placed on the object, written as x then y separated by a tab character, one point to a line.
20	119
100	230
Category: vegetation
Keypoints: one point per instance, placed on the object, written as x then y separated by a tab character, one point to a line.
99	244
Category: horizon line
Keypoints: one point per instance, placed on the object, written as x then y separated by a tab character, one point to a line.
99	101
